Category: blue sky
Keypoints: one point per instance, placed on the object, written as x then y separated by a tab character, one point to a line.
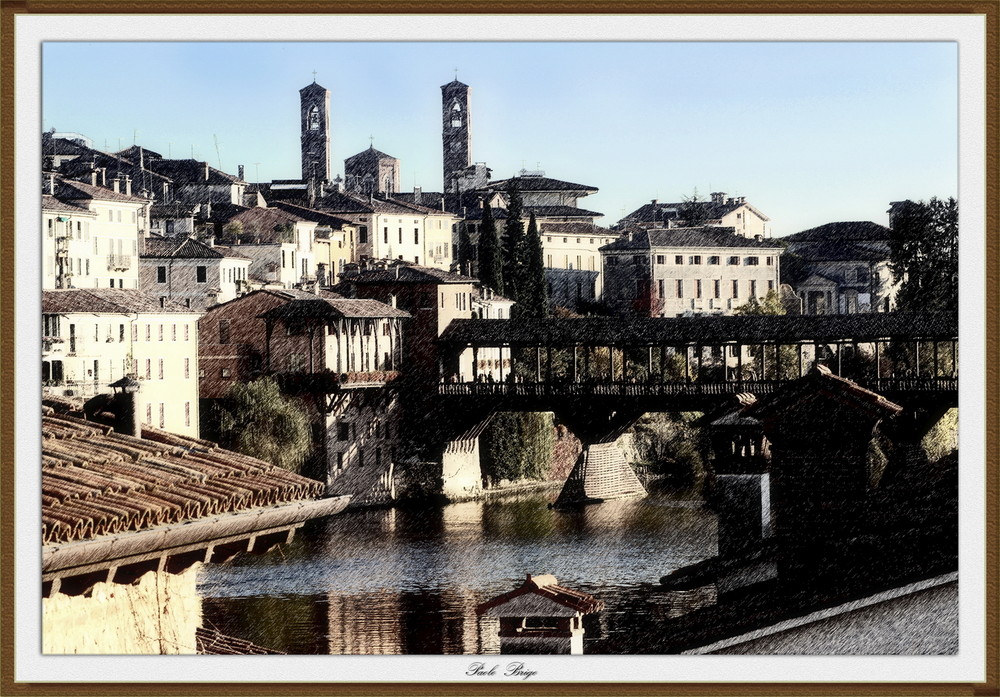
809	132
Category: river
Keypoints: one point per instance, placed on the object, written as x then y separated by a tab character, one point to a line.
407	580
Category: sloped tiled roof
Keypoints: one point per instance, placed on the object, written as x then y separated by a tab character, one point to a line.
547	587
324	307
840	250
71	189
54	205
370	155
533	183
854	231
561	212
178	248
655	211
404	273
97	482
694	237
110	300
191	172
313	215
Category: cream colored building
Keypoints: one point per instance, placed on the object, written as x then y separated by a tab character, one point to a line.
91	235
718	211
681	271
91	338
572	257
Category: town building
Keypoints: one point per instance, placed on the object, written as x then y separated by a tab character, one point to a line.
371	172
91	235
130	515
280	244
846	268
314	102
572	258
718	211
669	272
192	273
94	337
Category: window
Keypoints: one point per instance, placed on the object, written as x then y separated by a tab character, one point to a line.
161	333
340	461
697	288
694	260
680	288
718	288
160	368
733	261
753	261
637	259
770	261
149	413
363	234
149	369
861	275
343	431
187	413
149	332
135	332
50	325
385	235
201	274
736	288
121	333
226	373
187	368
224	331
770	286
661	258
548	261
401	235
416	235
679	259
162	420
611	261
186	332
753	289
659	288
173	332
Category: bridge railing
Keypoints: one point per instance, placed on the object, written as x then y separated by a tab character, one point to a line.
673	389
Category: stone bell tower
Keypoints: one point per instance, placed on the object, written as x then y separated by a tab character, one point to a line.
315	125
456	133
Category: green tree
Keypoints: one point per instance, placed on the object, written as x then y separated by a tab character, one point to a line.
490	269
259	421
534	294
514	244
693	210
770	305
518	445
923	255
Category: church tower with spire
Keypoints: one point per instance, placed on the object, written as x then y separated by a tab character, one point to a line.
315	119
456	133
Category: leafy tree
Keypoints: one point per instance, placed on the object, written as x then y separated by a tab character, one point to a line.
259	421
771	305
534	294
518	445
923	255
693	210
514	247
490	260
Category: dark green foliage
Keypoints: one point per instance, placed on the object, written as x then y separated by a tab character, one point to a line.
518	445
669	444
923	255
693	210
793	269
259	421
534	294
771	305
514	245
465	251
490	259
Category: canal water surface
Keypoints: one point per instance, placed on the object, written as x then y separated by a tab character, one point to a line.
407	581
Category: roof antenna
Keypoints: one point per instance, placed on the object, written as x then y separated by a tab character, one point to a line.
218	154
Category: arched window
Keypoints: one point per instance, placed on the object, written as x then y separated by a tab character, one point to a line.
456	115
314	118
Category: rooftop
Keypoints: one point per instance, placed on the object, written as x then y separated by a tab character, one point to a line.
535	183
406	273
110	300
706	237
545	586
333	308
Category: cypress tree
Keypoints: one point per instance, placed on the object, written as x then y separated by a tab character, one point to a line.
535	296
465	256
490	262
514	244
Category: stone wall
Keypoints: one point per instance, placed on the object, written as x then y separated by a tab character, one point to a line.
157	615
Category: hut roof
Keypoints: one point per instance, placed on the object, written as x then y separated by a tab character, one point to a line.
544	586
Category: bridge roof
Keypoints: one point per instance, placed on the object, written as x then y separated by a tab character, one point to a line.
642	331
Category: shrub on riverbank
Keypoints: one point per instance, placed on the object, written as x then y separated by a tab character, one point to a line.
517	445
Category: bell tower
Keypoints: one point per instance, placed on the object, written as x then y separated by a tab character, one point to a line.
315	124
456	133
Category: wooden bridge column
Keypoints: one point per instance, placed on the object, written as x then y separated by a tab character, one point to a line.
575	371
935	359
538	364
916	358
475	364
649	364
801	372
611	361
739	362
878	361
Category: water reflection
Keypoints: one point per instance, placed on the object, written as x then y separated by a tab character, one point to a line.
406	581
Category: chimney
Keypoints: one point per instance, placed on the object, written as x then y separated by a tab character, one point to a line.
93	177
52	184
104	176
128	186
240	172
718	197
206	171
125	406
442	204
114	184
654	201
417	194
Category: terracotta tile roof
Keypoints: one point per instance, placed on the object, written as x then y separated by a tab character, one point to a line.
112	300
534	183
319	307
179	248
52	204
70	189
96	481
546	587
191	172
313	215
405	273
707	236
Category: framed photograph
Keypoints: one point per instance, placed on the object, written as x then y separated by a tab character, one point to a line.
492	350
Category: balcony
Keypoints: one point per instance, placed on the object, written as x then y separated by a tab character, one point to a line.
119	262
328	382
